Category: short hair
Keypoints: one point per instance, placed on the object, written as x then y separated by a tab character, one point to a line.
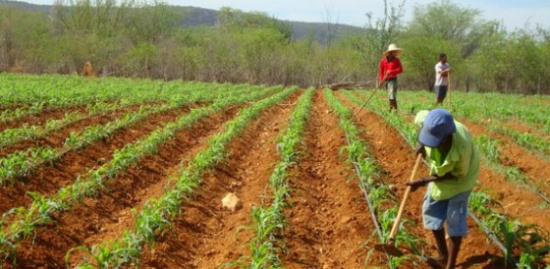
442	55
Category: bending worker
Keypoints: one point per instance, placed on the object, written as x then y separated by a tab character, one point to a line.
454	167
390	67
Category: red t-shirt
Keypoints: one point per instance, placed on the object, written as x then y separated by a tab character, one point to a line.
393	67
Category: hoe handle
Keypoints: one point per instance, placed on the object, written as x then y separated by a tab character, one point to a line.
365	103
449	87
357	110
404	201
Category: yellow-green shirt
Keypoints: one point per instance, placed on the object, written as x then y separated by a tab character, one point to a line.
462	161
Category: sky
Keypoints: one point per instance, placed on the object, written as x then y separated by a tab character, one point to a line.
512	13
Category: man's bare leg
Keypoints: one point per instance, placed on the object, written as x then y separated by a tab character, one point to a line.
454	247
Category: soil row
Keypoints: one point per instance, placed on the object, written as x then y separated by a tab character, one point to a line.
328	223
48	179
396	158
206	235
111	211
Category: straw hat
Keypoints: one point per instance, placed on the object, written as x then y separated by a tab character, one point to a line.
392	47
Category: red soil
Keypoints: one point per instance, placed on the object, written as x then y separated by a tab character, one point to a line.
39	119
396	158
521	127
328	224
106	213
518	202
207	234
48	179
56	139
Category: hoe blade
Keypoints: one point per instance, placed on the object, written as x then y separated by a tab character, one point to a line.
389	249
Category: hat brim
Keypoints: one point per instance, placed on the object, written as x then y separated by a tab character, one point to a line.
428	139
398	50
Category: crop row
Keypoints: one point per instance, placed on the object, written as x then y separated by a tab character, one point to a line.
13	136
382	202
20	223
491	147
268	219
22	163
157	214
29	95
502	109
511	236
491	106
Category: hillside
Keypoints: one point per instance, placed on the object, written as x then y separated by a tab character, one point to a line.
201	16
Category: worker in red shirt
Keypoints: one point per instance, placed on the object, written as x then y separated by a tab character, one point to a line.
390	67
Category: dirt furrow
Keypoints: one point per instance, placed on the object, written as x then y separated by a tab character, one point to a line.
523	128
56	138
185	145
518	202
328	224
206	235
396	158
48	179
106	213
40	118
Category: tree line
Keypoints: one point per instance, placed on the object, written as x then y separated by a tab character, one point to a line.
133	39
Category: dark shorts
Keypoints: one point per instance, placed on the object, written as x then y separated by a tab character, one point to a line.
441	91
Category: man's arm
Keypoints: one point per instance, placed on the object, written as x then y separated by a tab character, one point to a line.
423	181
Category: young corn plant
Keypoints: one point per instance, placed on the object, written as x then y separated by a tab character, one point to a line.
158	214
269	218
39	212
490	149
382	203
21	163
526	239
16	114
509	234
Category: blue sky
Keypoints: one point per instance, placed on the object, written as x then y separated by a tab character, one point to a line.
513	13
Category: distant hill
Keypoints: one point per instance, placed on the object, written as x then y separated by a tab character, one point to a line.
202	16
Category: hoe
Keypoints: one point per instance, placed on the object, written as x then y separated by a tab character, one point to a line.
357	110
390	247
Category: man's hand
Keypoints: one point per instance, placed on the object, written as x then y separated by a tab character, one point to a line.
420	150
416	184
420	183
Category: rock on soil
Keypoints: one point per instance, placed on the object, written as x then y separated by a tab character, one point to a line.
231	202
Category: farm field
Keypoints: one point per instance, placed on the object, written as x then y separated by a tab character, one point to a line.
122	173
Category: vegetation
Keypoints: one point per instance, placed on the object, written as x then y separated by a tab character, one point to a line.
158	213
21	163
20	223
269	218
119	39
527	241
382	202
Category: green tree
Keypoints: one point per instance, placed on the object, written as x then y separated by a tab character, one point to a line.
152	22
422	53
104	18
449	21
26	37
140	60
380	33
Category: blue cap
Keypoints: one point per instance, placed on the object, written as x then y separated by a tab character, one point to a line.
438	124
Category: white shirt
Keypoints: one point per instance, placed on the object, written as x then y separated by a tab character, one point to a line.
439	79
